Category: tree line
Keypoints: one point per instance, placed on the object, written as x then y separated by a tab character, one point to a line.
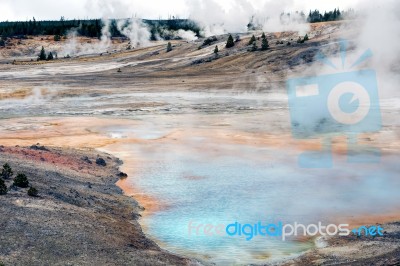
336	14
158	28
92	28
89	28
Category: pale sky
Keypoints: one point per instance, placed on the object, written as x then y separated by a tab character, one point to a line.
53	9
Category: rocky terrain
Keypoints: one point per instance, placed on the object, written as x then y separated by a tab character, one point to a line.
80	216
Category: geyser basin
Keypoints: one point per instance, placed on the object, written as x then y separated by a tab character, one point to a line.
201	180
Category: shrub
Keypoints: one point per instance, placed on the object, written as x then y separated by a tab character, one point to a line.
300	40
33	192
100	161
3	187
6	172
122	175
21	181
57	38
209	40
169	47
230	42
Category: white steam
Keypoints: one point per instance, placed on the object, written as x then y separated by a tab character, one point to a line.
381	33
187	35
215	20
135	30
377	30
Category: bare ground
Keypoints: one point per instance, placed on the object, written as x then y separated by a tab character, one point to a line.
80	216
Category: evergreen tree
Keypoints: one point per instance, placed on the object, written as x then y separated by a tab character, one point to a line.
264	43
50	56
216	50
42	55
57	38
306	38
6	172
169	47
230	42
21	181
252	40
3	187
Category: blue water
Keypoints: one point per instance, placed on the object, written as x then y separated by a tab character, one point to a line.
250	184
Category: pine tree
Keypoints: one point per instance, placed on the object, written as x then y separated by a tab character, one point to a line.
6	172
21	181
230	42
50	56
42	55
306	37
252	40
57	38
264	43
169	47
216	50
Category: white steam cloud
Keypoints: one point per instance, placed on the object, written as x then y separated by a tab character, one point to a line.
187	35
215	19
376	29
381	33
73	47
135	30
